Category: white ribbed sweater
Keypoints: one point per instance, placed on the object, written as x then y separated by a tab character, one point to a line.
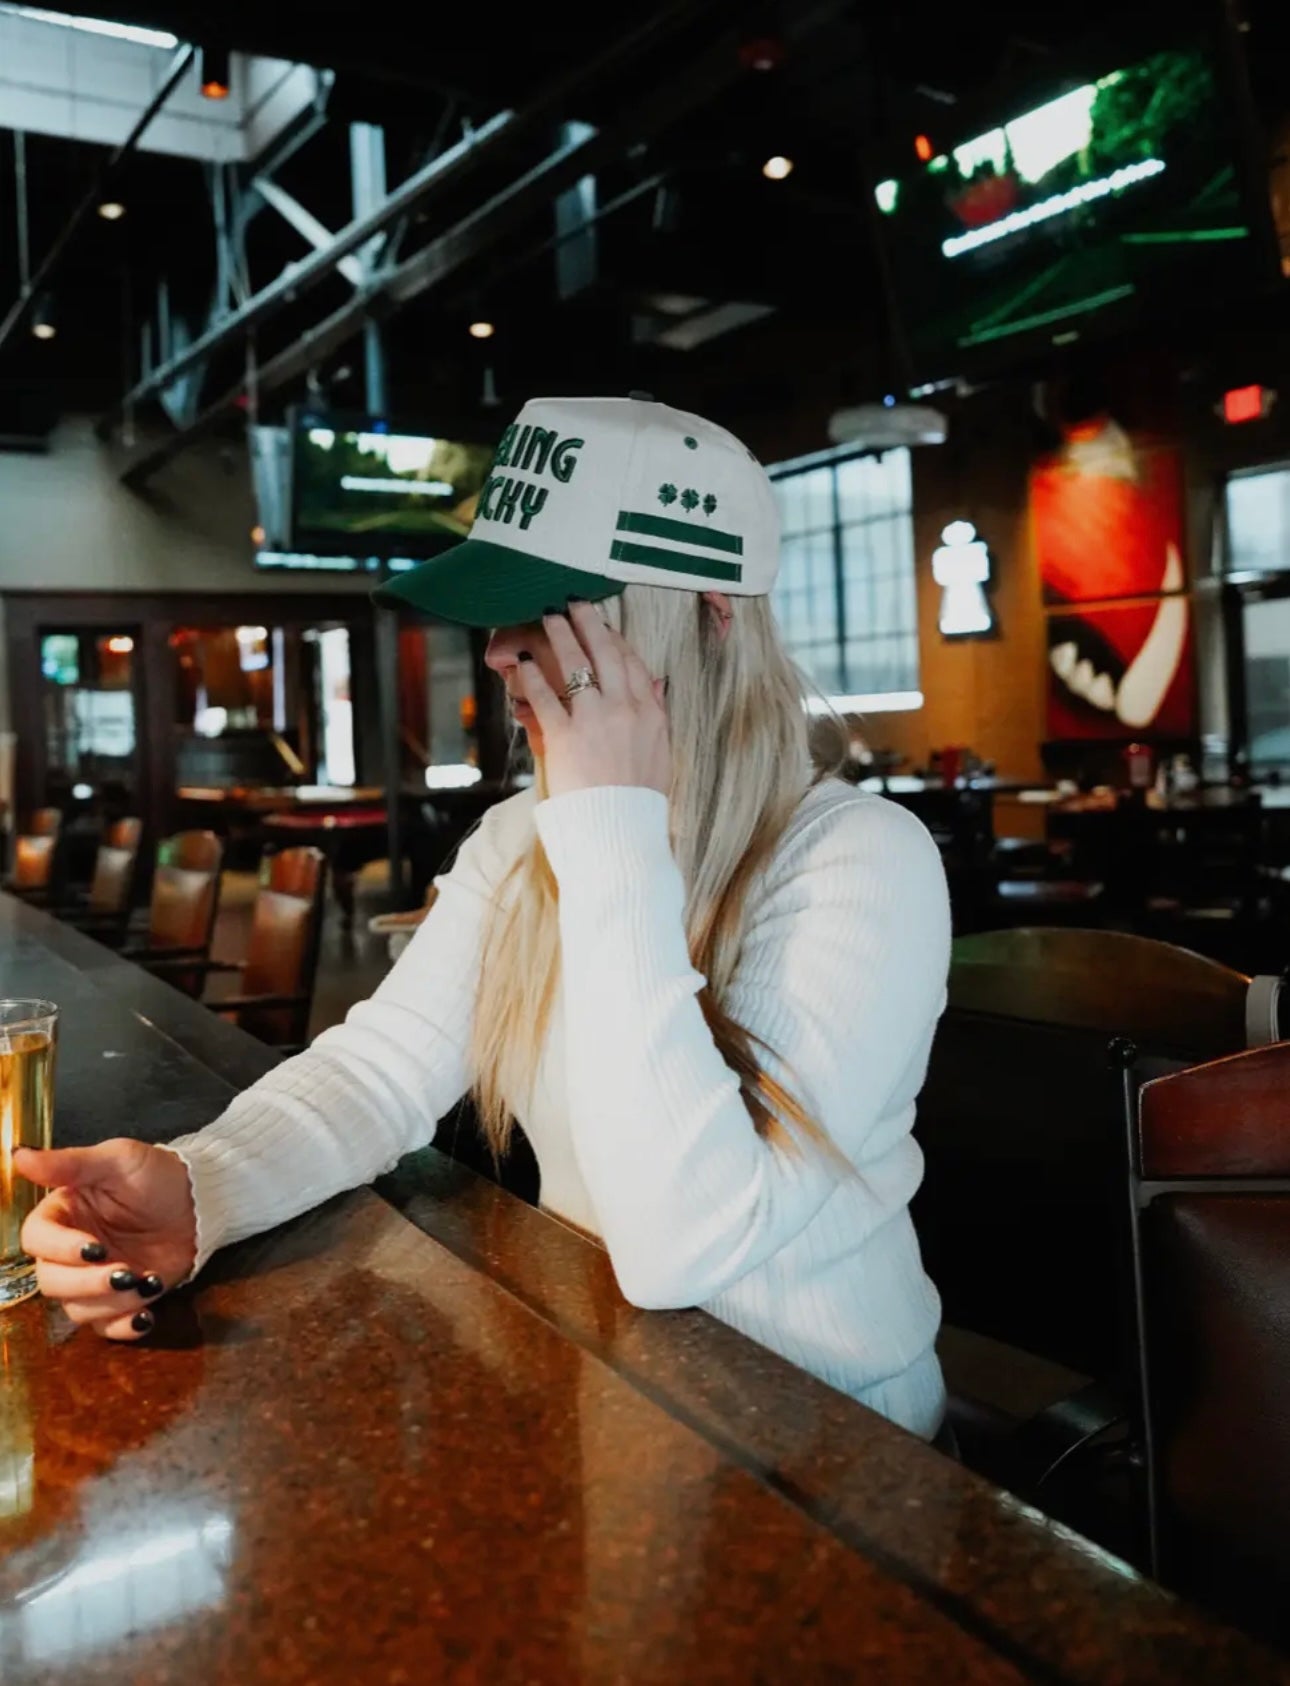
638	1125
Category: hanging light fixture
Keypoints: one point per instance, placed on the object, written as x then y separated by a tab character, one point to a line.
43	325
482	330
777	168
111	210
215	74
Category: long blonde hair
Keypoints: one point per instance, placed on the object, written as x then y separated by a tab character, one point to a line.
741	766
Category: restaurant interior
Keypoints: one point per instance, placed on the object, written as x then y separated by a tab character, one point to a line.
1001	300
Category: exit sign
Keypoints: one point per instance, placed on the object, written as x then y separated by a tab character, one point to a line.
1247	403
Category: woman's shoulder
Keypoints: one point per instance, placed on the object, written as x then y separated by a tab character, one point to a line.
497	839
837	826
834	808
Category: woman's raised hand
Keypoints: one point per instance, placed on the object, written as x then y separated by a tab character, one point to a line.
612	733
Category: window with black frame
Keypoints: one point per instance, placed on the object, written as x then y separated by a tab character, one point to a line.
1258	562
845	599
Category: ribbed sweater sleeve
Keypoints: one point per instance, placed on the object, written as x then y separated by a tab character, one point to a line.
367	1091
842	974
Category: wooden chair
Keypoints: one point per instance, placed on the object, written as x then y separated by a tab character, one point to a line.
35	873
34	860
110	896
192	851
1159	996
1210	1210
1021	1214
181	915
277	976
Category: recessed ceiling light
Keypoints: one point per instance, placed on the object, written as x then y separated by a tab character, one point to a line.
777	168
111	210
482	330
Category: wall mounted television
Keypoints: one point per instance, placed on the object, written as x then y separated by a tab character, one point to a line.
361	487
1124	191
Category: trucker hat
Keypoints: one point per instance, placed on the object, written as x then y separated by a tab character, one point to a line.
588	495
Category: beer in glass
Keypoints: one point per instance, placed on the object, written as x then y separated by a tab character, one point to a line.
28	1036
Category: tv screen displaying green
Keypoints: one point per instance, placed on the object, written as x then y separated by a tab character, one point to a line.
1119	190
370	491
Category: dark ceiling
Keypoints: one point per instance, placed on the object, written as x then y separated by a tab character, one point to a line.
692	213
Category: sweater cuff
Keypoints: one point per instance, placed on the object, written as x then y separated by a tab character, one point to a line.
612	830
213	1216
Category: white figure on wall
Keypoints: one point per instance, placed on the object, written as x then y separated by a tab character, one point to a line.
961	567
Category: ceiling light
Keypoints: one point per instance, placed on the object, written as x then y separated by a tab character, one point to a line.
482	330
111	210
777	168
43	325
215	75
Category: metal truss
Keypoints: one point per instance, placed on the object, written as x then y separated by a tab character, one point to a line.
383	280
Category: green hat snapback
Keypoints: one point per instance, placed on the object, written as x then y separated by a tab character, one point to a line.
588	495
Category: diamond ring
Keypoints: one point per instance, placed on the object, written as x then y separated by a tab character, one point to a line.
581	679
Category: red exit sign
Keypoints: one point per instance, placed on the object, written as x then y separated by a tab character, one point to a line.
1247	403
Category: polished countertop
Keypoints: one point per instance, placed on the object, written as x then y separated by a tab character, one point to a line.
423	1438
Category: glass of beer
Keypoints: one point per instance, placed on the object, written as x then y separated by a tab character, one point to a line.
28	1037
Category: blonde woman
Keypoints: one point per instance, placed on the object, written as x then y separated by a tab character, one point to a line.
703	979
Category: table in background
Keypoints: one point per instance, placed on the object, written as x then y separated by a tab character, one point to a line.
433	1443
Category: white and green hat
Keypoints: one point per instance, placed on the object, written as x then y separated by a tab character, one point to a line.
587	495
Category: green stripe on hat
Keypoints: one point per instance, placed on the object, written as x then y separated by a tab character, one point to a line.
675	561
660	527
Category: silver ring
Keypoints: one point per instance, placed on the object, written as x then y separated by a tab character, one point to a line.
581	679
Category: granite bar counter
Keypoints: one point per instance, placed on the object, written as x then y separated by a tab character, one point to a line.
422	1438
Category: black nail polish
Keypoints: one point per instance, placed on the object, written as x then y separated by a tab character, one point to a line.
150	1287
94	1252
526	655
550	611
574	600
143	1322
122	1281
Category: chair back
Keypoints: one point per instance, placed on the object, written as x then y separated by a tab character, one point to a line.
1021	1216
192	851
45	822
294	872
281	960
1212	1240
113	882
124	834
181	913
33	862
1157	995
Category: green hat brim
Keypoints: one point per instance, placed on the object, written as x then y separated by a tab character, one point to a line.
477	583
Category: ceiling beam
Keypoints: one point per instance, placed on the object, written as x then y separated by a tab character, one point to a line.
492	140
443	258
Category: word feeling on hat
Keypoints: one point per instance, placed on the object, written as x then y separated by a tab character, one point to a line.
587	495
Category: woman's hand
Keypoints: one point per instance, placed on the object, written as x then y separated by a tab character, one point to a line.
616	734
116	1230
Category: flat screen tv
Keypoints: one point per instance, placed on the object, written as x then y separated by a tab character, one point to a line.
365	489
1120	193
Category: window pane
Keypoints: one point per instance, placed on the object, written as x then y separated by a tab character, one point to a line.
1258	521
867	534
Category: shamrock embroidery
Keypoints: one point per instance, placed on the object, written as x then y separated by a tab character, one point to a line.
667	493
689	499
709	504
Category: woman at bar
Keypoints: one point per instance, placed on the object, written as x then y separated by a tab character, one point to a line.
704	978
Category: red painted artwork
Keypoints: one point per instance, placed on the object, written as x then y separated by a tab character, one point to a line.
1122	671
1108	517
